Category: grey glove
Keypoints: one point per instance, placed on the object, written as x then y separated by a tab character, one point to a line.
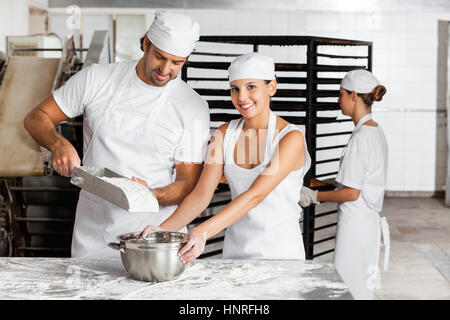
308	197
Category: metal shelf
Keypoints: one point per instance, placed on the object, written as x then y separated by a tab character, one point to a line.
306	100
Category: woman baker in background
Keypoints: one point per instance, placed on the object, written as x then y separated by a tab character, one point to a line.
361	181
264	159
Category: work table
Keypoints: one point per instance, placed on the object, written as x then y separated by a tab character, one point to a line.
204	279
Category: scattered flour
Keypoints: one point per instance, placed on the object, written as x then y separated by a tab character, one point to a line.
140	198
246	281
43	278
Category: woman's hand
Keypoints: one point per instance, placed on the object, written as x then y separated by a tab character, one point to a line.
149	229
194	247
308	197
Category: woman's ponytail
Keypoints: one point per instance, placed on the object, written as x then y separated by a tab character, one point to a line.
378	93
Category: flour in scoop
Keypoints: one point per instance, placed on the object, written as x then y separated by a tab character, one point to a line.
93	170
140	198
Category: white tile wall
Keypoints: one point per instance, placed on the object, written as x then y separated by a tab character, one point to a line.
405	61
13	20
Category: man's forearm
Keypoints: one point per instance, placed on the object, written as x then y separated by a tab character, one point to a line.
42	129
40	123
174	193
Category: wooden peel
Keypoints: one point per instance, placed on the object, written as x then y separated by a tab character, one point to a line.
317	183
223	180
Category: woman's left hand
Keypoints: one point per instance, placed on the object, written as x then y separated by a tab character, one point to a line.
193	247
149	229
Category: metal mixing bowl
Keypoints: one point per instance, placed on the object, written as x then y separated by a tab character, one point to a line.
153	258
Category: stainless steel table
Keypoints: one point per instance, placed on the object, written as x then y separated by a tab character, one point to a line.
206	279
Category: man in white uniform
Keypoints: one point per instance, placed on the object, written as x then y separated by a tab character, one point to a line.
139	120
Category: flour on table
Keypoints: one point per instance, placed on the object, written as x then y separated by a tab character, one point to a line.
210	280
140	198
46	278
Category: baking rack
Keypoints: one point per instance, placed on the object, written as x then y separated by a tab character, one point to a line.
309	70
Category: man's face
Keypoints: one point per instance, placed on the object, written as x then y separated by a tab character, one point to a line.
160	66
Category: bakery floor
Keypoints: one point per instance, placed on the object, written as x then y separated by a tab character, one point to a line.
419	265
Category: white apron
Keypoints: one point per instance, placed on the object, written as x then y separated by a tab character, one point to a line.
123	142
358	240
271	230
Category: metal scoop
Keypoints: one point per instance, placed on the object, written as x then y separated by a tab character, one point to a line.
89	179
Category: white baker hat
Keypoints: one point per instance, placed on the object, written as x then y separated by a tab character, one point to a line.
174	33
360	81
252	66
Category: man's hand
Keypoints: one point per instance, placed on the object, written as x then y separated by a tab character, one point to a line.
194	247
187	175
143	182
64	157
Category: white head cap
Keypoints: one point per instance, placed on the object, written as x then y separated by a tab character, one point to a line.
360	81
174	33
252	66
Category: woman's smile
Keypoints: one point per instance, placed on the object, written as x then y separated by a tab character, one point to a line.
247	106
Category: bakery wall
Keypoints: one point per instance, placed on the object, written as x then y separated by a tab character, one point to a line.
409	55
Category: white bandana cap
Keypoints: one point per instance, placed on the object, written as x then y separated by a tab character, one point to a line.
174	33
360	81
252	66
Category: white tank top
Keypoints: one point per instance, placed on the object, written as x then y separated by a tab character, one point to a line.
271	230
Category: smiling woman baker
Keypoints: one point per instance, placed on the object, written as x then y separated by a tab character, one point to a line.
265	177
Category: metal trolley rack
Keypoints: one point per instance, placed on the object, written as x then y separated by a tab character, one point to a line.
309	70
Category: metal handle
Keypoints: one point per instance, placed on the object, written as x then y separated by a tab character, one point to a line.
117	246
77	180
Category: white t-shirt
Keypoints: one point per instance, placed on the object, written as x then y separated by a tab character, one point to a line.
183	126
364	167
